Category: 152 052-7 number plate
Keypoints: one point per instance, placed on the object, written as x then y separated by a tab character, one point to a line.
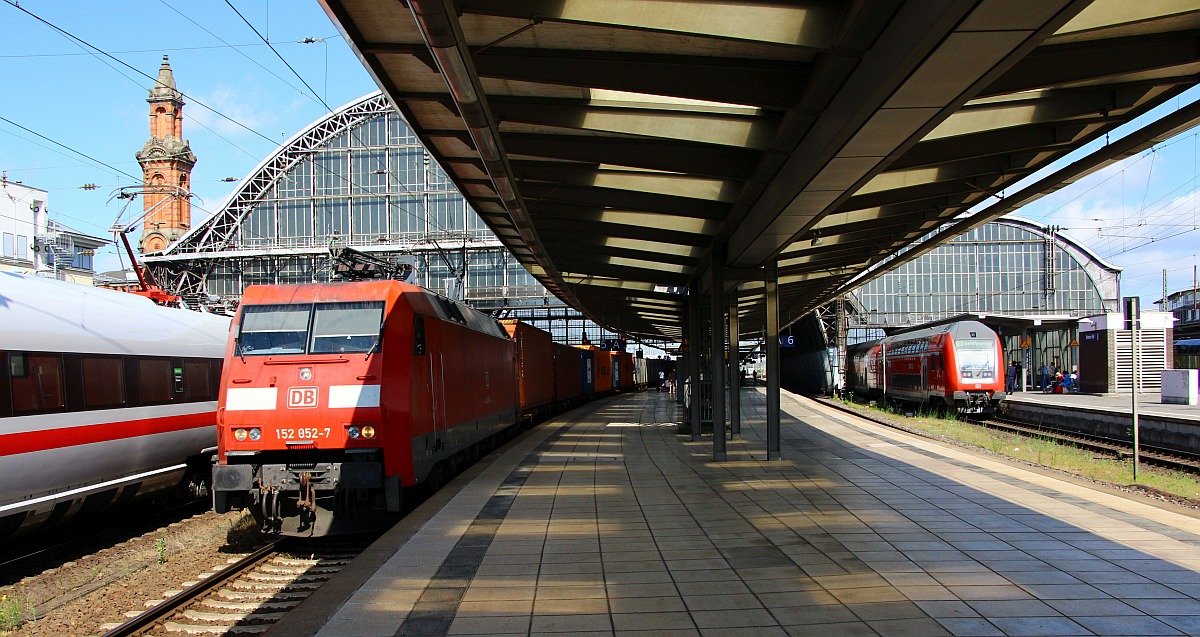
303	433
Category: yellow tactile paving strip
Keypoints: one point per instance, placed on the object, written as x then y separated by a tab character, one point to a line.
615	525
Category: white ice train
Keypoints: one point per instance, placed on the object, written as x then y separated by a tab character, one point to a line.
104	397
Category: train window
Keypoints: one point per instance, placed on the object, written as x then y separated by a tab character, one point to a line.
197	377
346	327
103	381
40	389
17	365
273	329
419	336
155	377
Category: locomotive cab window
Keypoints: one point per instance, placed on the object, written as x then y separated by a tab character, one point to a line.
976	357
346	327
273	329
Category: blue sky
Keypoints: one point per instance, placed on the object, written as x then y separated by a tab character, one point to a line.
1141	215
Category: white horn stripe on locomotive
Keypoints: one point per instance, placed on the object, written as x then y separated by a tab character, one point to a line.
104	397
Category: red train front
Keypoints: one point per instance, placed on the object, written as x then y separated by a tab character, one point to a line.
338	398
956	365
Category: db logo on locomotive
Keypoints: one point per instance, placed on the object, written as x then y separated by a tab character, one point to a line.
302	397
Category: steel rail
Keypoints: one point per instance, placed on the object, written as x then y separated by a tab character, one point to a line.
1169	458
138	625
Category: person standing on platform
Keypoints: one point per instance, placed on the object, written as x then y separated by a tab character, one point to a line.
1010	377
1043	377
662	380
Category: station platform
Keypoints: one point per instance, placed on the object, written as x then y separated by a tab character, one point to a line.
607	522
1148	403
1161	426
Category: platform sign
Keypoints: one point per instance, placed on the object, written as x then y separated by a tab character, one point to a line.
787	340
1025	342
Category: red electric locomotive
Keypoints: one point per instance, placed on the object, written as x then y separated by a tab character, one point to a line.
958	365
337	398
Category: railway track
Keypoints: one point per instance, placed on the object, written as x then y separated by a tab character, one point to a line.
246	597
1121	448
1157	456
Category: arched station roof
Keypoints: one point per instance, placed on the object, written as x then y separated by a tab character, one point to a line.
1009	266
218	233
620	148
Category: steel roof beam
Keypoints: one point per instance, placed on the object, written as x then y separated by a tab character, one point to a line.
762	83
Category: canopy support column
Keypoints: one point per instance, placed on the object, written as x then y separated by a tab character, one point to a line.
691	384
735	370
771	283
717	352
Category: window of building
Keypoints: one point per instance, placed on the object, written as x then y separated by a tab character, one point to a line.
370	171
333	218
22	246
83	259
298	181
370	217
259	226
10	245
400	133
295	219
408	168
331	173
407	216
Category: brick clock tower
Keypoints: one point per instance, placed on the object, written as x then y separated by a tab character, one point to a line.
166	162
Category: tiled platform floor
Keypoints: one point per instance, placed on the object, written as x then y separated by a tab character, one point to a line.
606	522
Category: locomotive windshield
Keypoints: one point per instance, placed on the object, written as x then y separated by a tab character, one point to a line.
346	327
323	328
273	329
976	357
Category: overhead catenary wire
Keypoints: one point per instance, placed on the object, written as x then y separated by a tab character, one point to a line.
101	54
419	211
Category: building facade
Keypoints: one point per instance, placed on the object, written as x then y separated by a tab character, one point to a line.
1010	266
167	161
1028	281
358	178
32	243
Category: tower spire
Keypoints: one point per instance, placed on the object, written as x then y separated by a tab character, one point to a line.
167	162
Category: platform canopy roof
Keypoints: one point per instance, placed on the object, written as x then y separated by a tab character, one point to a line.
617	146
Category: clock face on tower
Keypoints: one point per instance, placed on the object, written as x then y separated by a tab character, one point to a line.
153	242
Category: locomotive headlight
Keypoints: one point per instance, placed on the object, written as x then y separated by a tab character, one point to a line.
255	434
239	435
305	373
353	432
368	431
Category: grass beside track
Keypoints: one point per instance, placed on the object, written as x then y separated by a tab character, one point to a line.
1041	450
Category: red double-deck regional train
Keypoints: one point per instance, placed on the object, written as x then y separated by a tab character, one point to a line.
339	399
105	397
958	365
